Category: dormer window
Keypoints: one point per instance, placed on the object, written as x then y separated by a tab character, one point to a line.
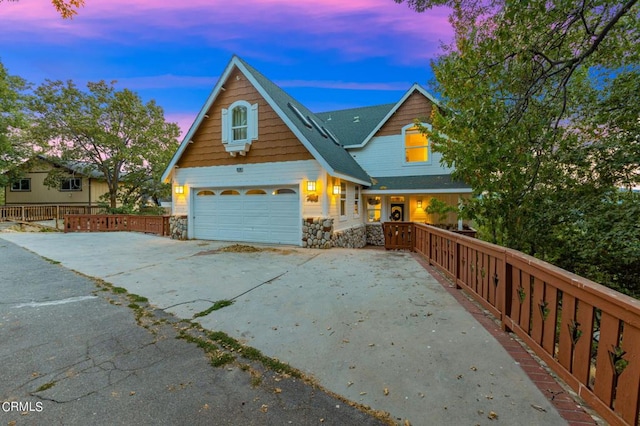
239	127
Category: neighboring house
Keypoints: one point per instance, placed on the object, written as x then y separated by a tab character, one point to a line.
258	166
79	184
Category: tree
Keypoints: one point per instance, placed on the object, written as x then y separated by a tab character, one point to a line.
14	119
67	9
110	131
540	111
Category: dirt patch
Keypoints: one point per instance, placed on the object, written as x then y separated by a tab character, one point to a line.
25	228
242	248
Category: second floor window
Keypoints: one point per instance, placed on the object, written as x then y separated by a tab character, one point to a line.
22	185
416	146
71	184
239	123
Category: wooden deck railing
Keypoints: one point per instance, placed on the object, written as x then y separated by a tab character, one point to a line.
33	213
587	333
117	222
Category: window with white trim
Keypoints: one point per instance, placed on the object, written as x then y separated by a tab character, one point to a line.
416	145
239	127
22	185
356	201
343	199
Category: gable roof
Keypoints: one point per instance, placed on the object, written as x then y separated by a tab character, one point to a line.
75	167
312	132
415	88
352	126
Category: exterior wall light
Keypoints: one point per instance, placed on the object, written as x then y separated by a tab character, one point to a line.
179	189
336	189
419	204
311	185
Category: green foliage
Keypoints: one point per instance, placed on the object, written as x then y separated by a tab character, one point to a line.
110	132
15	118
540	107
441	209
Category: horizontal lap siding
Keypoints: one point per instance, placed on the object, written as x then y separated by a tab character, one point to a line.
416	106
275	143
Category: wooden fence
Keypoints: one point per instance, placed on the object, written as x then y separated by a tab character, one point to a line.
117	222
33	213
587	333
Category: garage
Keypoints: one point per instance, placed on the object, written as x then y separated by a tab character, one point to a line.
257	214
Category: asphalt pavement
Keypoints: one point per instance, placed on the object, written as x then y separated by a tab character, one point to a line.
368	325
74	353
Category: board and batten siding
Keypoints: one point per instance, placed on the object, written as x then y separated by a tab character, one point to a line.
252	175
275	143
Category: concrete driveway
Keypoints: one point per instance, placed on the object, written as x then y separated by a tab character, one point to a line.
370	325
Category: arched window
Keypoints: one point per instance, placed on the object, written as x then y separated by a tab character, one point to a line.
282	191
239	127
256	192
230	192
205	193
239	123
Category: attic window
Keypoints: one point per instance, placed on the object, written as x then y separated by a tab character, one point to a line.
239	127
302	118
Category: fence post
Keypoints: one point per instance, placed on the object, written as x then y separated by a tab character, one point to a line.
22	213
504	292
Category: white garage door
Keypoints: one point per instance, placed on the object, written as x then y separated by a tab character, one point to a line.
260	214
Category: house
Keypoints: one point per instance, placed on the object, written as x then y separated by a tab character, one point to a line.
79	184
258	166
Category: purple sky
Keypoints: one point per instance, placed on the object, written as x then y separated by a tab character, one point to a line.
328	54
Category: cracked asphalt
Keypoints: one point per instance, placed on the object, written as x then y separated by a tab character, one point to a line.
74	353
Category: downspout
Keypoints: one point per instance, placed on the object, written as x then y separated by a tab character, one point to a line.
89	185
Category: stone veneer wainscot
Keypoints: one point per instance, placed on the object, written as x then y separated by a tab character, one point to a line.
178	227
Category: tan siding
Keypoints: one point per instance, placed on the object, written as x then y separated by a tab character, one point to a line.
42	194
416	106
275	141
420	215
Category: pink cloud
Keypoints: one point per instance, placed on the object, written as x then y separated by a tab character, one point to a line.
357	27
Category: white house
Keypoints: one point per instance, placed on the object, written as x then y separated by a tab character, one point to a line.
258	166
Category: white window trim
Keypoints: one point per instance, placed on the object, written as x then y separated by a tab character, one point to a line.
243	145
343	196
404	147
357	200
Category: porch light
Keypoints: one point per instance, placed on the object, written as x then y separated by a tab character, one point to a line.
311	185
179	189
419	204
336	189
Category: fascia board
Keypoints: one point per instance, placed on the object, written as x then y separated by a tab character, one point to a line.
196	124
393	111
418	191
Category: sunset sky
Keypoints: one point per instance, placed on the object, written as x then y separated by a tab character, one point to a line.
328	54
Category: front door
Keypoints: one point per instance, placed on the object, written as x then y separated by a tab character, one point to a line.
397	212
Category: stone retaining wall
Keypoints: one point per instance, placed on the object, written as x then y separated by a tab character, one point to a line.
318	233
355	237
375	234
178	227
